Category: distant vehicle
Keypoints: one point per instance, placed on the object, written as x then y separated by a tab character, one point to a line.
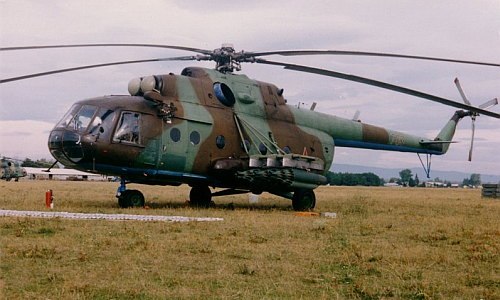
11	169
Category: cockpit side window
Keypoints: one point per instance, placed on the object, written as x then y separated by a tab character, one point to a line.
128	129
102	122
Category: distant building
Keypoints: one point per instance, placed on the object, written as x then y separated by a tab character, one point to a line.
434	184
63	174
392	184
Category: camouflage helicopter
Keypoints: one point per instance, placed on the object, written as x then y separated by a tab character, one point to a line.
11	169
215	128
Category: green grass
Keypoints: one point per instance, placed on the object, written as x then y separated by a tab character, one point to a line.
385	244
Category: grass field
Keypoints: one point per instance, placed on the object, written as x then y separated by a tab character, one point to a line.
386	243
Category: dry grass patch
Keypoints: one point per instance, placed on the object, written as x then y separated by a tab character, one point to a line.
385	244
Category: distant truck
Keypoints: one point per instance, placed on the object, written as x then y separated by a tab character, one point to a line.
11	169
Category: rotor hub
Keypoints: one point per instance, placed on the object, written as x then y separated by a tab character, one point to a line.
226	58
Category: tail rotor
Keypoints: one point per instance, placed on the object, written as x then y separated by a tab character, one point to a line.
472	114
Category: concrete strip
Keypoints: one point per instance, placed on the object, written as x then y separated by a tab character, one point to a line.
120	217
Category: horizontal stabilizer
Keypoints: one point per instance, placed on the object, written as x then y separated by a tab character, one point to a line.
436	142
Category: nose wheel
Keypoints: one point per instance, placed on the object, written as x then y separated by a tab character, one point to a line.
129	198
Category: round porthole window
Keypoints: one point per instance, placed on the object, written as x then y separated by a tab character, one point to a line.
175	134
194	137
247	143
220	142
224	94
287	150
262	149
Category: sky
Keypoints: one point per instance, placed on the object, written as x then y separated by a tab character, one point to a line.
459	29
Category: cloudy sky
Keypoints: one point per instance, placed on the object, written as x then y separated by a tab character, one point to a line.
459	29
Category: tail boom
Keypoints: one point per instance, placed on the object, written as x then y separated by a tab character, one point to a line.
378	138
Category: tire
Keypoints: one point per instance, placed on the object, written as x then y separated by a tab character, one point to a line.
131	198
135	198
303	200
200	196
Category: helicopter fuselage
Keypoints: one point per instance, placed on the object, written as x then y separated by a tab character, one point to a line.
206	128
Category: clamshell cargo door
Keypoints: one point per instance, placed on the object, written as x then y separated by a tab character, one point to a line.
152	137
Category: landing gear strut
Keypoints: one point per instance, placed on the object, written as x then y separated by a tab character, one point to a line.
129	198
200	196
303	200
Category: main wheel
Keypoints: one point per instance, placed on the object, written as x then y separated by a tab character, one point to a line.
303	200
130	198
135	198
200	196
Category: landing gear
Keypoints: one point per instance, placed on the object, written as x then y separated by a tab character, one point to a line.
129	198
303	200
200	196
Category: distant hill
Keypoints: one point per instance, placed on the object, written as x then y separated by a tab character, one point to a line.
389	173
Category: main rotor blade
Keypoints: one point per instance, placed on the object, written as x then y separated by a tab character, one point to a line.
380	84
108	45
362	53
95	66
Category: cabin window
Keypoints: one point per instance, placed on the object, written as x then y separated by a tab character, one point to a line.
287	150
262	149
175	134
247	144
128	129
220	142
195	138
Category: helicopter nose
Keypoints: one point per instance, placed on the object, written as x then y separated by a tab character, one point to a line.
66	146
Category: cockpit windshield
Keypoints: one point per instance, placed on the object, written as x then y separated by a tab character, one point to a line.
78	117
68	116
82	119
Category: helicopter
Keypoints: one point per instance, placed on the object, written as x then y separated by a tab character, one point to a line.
11	169
216	128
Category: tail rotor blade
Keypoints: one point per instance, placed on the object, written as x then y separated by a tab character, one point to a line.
489	104
472	139
461	91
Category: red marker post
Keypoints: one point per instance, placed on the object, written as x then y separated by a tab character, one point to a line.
49	201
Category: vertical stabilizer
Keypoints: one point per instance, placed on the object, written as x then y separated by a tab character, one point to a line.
448	130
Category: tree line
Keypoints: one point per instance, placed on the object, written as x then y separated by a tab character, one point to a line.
405	178
39	163
350	179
